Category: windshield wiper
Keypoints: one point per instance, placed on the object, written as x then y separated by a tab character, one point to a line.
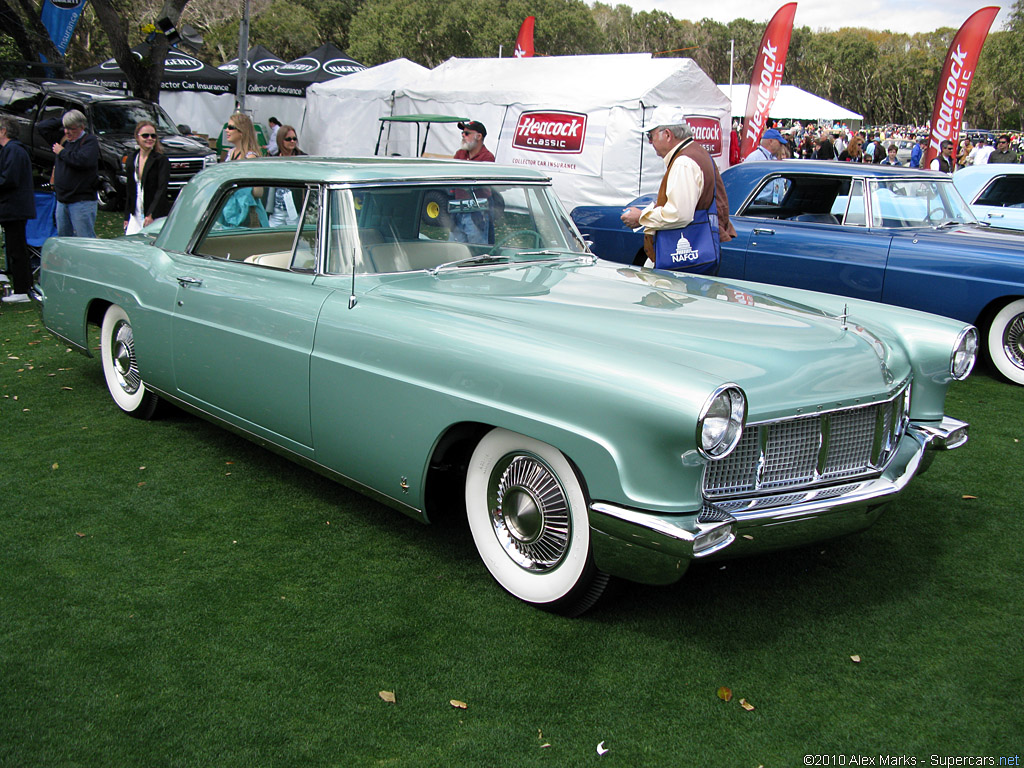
574	256
480	258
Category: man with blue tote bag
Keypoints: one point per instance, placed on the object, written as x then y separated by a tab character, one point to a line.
689	219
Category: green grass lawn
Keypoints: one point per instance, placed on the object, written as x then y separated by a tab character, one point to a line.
172	595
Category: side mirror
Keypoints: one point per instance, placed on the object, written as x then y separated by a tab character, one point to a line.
185	128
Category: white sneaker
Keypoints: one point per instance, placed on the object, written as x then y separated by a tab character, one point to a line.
16	298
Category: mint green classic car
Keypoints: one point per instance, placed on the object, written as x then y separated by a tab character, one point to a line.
437	334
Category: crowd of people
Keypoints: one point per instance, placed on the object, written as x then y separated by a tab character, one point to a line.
878	145
691	198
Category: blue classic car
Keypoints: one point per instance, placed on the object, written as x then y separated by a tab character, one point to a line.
994	192
435	334
895	235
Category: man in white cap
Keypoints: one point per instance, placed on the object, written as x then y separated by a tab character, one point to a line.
768	149
691	187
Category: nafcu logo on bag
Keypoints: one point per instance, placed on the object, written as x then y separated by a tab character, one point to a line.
551	131
707	132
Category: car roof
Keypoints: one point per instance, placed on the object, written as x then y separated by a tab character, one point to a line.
342	170
749	172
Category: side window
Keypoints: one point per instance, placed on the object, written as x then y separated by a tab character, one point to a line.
855	215
769	200
1005	192
20	101
307	242
240	230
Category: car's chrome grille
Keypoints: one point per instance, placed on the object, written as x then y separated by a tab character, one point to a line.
803	452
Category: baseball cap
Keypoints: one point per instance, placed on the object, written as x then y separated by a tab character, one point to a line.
663	115
772	133
474	125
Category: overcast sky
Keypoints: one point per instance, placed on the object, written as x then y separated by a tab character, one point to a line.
896	15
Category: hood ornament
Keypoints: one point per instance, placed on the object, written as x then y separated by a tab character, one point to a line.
843	317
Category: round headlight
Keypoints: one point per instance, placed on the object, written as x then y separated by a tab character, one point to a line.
720	425
965	352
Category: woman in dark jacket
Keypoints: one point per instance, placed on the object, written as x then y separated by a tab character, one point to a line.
149	173
17	206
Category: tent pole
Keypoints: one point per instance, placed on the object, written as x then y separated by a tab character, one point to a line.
241	84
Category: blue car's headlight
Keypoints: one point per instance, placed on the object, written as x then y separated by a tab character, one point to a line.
965	352
720	425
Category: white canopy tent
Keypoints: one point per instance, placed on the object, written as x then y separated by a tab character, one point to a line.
342	115
793	103
574	117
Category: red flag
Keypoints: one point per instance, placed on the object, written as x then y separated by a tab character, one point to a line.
524	41
767	76
957	74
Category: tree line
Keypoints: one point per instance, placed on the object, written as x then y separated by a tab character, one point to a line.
889	77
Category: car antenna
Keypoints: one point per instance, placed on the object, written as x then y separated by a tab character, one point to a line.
352	292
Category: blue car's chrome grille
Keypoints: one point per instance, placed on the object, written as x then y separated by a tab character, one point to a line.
803	452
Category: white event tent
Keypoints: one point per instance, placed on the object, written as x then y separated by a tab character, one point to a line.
793	103
573	117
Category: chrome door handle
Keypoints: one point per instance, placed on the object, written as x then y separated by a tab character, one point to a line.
760	231
996	215
185	282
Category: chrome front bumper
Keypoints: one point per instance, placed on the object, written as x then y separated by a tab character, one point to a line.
656	548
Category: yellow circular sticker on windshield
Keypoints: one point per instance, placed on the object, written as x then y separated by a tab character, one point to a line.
433	209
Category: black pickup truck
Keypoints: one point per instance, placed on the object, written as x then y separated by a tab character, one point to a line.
112	118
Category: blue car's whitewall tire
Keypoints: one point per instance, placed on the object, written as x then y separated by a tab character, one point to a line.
528	517
120	368
1006	341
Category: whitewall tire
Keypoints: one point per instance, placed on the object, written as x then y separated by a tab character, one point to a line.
528	518
120	368
1006	341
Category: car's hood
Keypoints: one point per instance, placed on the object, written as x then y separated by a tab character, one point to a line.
628	320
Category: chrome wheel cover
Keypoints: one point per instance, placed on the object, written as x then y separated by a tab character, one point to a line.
529	513
1013	341
122	354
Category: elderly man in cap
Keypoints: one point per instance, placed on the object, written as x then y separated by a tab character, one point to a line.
691	194
472	148
768	149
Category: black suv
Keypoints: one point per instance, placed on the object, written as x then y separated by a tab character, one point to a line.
112	118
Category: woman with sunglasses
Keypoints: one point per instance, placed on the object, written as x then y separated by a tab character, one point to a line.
242	138
149	173
284	204
288	142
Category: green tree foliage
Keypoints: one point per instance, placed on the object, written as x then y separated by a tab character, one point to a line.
886	76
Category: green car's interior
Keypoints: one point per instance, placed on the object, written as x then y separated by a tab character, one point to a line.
394	228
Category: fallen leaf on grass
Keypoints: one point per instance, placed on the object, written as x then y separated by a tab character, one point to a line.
142	483
388	696
55	465
968	496
601	749
746	705
458	704
725	694
855	658
80	535
69	389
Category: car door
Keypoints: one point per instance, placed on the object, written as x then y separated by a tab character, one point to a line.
245	317
791	241
1001	201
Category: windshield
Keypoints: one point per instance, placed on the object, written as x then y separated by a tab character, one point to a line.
917	203
409	227
122	117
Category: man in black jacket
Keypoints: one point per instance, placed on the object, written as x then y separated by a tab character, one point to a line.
17	206
76	173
